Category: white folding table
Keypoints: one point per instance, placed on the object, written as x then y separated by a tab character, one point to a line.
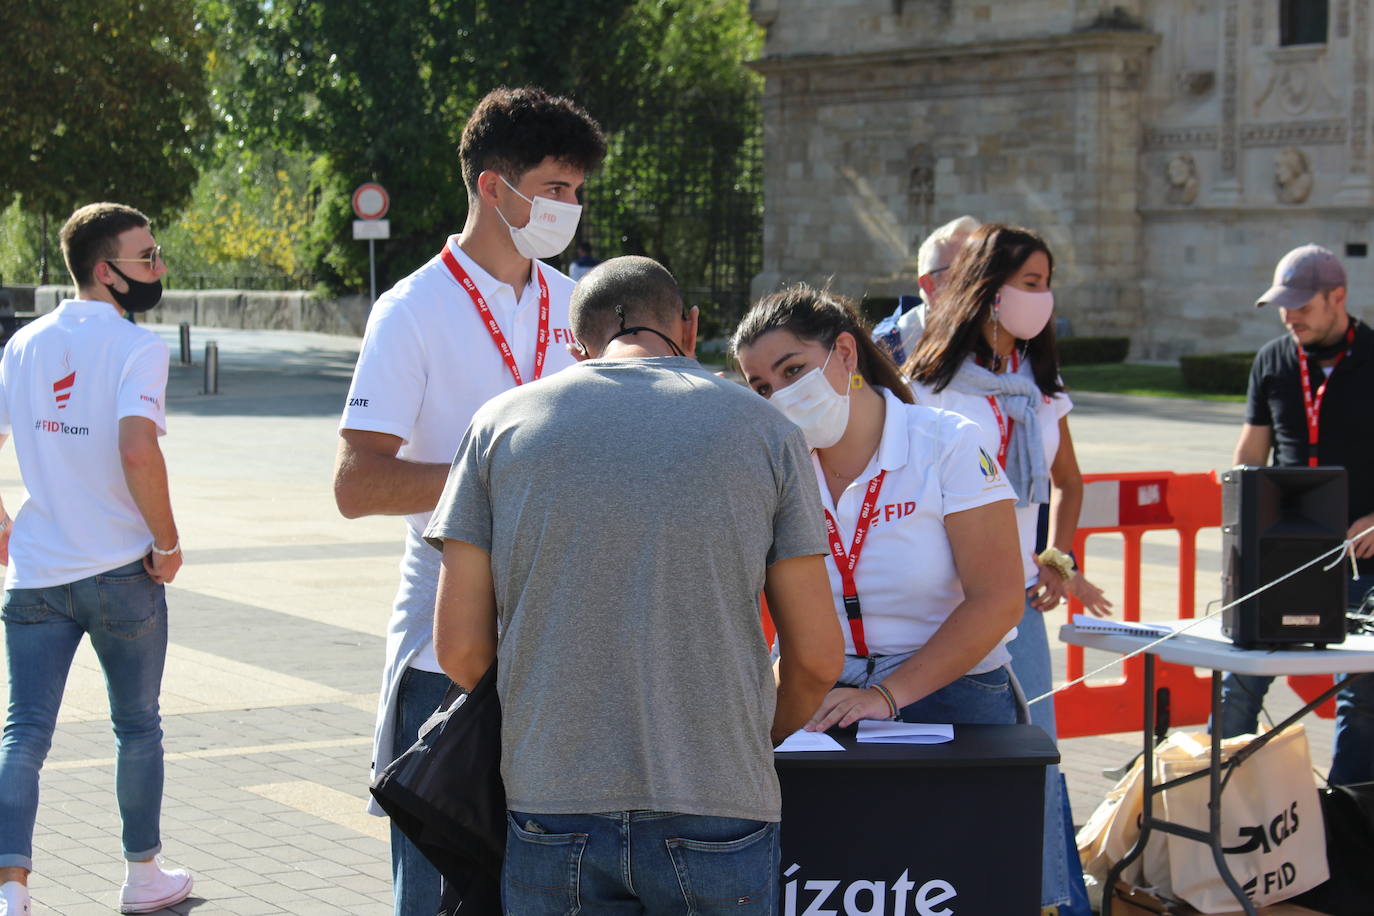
1204	646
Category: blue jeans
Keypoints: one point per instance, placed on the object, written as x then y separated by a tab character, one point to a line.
414	879
643	862
990	698
125	614
1352	752
1030	662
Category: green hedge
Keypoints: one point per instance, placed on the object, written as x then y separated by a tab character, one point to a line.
1223	373
1081	351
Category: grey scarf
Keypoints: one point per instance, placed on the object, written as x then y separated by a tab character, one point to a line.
1018	398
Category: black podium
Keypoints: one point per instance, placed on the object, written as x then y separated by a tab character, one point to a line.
929	830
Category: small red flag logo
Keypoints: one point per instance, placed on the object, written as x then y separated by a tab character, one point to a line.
62	390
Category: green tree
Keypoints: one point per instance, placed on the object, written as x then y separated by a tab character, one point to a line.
242	226
380	93
100	100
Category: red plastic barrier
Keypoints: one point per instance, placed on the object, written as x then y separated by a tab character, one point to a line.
1132	504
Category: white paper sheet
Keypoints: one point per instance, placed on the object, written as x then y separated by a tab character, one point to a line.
904	733
801	740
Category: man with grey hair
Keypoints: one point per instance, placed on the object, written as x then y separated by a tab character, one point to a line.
619	519
899	332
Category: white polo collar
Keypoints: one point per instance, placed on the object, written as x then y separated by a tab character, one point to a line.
85	308
895	447
486	283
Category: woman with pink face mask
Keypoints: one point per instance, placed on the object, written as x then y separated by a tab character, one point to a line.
988	353
924	571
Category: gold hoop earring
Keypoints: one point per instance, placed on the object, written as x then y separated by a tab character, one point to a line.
856	381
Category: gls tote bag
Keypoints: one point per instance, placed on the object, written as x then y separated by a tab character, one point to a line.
1271	823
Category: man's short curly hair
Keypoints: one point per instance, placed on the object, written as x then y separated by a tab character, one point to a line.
513	130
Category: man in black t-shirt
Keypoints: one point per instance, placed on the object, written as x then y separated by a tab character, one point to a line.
1323	368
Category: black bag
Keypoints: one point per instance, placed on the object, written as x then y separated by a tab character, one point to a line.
1349	815
445	794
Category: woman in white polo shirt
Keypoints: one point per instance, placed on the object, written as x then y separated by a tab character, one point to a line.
924	561
988	353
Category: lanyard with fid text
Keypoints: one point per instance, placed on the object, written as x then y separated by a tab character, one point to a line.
541	346
1313	406
847	563
1003	423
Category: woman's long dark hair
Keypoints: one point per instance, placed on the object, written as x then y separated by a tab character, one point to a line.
954	325
816	315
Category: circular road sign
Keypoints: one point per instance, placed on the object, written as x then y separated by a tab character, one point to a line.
370	201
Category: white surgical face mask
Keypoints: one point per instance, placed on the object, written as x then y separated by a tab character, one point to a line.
551	226
812	403
1023	313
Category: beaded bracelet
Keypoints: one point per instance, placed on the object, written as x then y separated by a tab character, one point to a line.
891	701
1059	561
170	552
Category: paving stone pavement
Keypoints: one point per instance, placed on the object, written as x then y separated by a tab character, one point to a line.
277	637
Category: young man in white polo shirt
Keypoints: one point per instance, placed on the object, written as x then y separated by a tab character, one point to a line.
93	547
482	316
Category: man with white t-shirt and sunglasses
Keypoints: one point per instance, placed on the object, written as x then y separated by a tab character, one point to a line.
83	393
480	317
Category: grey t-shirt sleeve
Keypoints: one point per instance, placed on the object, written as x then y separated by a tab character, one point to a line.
464	510
798	526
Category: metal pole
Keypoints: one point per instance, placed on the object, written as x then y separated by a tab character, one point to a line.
372	264
185	343
211	367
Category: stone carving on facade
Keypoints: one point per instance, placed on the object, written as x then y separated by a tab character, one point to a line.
1229	83
920	189
1181	174
1328	132
1196	82
1292	176
1296	82
1359	93
1180	138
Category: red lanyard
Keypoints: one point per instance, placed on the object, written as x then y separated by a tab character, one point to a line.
1312	405
541	346
847	563
1003	423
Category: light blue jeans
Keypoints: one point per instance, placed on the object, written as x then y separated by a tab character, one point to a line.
654	863
1030	662
414	879
1352	752
125	614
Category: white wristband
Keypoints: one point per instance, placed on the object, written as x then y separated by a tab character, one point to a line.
175	549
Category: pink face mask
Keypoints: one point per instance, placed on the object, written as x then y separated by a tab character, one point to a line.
1024	314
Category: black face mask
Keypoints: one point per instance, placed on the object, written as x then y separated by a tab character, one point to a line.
140	296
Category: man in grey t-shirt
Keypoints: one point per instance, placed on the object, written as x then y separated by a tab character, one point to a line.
621	518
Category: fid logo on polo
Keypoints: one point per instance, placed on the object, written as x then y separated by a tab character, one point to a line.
62	390
867	898
57	426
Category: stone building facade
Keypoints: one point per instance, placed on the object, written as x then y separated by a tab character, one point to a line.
1169	150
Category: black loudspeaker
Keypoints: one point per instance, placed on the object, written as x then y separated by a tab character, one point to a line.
1273	521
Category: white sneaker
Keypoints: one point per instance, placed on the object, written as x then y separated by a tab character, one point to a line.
165	888
14	899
